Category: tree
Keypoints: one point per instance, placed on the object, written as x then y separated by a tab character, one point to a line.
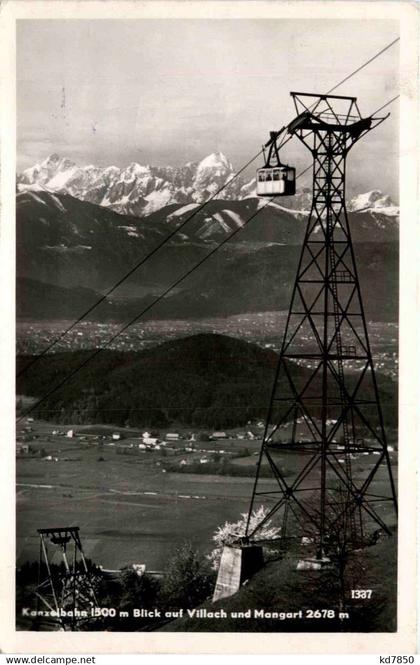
231	531
189	579
137	591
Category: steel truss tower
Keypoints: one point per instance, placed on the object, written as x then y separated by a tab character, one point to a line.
68	593
324	404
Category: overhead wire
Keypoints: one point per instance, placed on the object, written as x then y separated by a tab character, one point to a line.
184	223
353	73
161	296
133	269
140	314
308	168
174	284
385	105
365	64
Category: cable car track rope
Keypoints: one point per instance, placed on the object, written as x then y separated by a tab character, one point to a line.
185	222
135	268
365	64
161	296
144	311
174	284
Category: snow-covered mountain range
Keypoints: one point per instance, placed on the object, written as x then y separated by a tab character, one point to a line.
136	189
374	201
141	190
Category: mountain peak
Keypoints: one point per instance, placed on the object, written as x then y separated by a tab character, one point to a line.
139	189
374	199
215	160
137	168
57	163
51	159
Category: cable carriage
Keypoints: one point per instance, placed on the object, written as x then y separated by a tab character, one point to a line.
276	181
275	178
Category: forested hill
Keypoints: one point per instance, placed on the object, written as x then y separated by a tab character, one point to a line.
203	380
209	380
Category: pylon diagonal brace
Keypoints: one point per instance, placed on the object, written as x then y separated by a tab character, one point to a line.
329	130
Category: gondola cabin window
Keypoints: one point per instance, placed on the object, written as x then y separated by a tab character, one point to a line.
276	181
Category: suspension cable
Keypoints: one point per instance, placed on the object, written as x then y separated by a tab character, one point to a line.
134	269
185	222
190	271
161	296
365	64
385	105
143	311
286	139
164	293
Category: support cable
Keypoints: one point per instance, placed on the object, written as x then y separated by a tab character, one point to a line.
134	269
365	64
158	299
183	224
353	73
143	311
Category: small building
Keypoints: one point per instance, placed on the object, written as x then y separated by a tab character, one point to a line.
150	442
219	435
313	564
172	436
139	568
70	434
116	436
115	574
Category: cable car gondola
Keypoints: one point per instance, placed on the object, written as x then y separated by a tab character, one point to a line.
275	179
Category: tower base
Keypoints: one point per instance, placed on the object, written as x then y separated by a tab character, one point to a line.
314	563
237	564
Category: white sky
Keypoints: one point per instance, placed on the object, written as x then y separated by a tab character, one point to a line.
171	91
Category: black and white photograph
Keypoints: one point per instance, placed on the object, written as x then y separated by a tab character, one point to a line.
207	220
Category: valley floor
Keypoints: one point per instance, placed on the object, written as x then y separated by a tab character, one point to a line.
129	508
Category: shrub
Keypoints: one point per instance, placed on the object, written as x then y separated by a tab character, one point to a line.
138	591
231	531
188	581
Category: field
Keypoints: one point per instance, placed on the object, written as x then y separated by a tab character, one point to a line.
128	507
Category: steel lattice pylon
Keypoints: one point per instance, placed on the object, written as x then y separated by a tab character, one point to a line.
325	403
69	594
